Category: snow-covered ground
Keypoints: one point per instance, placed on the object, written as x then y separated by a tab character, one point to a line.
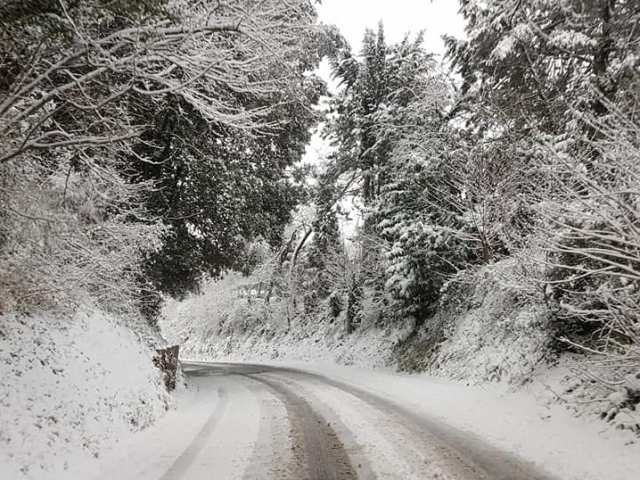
69	390
522	422
241	422
530	419
491	368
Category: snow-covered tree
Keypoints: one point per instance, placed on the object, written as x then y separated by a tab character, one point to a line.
532	61
198	109
324	243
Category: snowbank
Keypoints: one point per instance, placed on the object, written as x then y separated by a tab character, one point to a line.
70	389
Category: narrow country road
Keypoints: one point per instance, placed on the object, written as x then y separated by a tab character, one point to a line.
261	422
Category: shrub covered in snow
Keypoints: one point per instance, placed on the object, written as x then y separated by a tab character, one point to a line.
497	330
66	239
588	215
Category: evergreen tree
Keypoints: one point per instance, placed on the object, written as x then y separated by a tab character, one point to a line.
325	241
219	188
354	130
533	62
389	132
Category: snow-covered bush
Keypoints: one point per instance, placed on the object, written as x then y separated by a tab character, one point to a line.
68	238
590	217
496	326
232	305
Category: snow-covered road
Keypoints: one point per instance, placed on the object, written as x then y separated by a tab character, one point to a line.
264	422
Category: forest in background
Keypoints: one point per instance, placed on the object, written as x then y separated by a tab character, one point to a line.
513	176
149	147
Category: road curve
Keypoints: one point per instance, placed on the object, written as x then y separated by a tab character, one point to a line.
314	428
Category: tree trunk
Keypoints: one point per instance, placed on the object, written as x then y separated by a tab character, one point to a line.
292	286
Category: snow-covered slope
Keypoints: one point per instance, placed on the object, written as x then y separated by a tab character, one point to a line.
70	389
326	342
487	328
490	327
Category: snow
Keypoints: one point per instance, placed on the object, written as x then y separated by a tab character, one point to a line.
69	389
520	422
385	446
214	428
501	336
327	342
495	329
570	39
498	335
504	48
225	422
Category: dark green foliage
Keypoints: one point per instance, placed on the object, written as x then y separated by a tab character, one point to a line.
387	116
325	242
423	233
217	189
354	299
184	109
335	305
354	130
533	60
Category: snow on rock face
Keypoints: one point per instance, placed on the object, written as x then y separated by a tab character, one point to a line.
68	389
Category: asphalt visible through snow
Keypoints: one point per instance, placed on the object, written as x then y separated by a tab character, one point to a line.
286	424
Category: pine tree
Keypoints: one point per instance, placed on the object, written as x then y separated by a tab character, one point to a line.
395	106
354	130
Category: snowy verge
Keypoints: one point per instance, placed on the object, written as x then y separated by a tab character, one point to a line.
69	389
488	327
151	453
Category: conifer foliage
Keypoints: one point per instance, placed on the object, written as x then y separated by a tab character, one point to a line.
528	151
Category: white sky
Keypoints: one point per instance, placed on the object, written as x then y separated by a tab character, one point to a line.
435	17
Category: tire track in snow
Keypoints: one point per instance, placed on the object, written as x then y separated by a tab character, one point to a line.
393	449
468	456
187	457
272	457
317	451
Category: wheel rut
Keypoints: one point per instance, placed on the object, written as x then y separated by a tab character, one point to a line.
318	452
186	459
467	456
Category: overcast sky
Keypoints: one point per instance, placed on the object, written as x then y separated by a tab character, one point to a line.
435	17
